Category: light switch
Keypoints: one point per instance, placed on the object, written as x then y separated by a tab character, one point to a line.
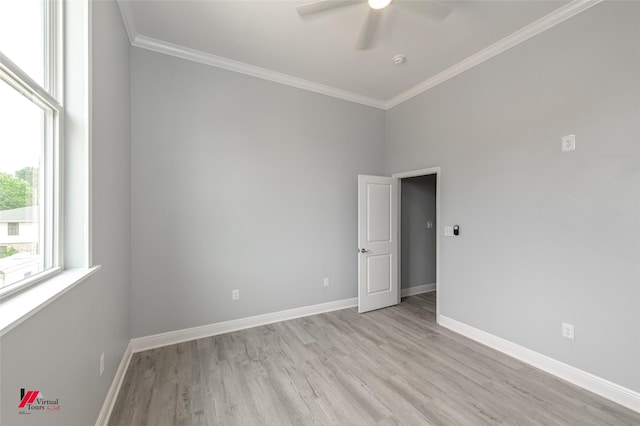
448	231
429	224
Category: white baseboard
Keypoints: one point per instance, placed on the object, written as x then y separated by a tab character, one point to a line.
163	339
419	289
110	400
616	393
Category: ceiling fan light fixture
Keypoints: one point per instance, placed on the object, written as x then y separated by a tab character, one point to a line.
379	4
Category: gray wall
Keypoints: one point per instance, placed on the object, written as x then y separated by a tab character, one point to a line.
547	237
240	183
418	243
57	350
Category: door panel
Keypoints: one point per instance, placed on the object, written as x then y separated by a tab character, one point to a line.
378	213
378	273
377	242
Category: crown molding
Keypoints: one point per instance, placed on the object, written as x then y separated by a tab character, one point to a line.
254	71
128	19
551	20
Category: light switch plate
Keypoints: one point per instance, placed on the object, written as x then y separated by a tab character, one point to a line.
448	231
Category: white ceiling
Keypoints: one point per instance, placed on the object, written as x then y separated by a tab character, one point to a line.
270	40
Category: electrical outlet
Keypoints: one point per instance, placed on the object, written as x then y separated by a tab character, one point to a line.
235	295
101	363
326	281
568	143
567	331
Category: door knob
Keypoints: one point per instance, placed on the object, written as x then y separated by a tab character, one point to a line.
363	250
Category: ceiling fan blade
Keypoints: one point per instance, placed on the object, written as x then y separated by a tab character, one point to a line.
368	29
434	9
323	5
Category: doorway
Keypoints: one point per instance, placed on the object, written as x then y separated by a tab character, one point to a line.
379	240
419	196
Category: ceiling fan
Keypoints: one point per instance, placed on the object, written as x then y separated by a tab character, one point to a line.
435	10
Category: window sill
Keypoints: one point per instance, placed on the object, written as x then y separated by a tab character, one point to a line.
18	307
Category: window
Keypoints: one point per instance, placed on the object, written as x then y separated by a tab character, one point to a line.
13	229
30	140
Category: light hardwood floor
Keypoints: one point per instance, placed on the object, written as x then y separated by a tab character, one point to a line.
392	366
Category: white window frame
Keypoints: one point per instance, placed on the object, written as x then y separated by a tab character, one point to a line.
49	99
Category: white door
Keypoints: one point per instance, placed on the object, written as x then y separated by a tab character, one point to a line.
377	242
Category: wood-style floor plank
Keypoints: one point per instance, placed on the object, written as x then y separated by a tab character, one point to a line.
393	366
